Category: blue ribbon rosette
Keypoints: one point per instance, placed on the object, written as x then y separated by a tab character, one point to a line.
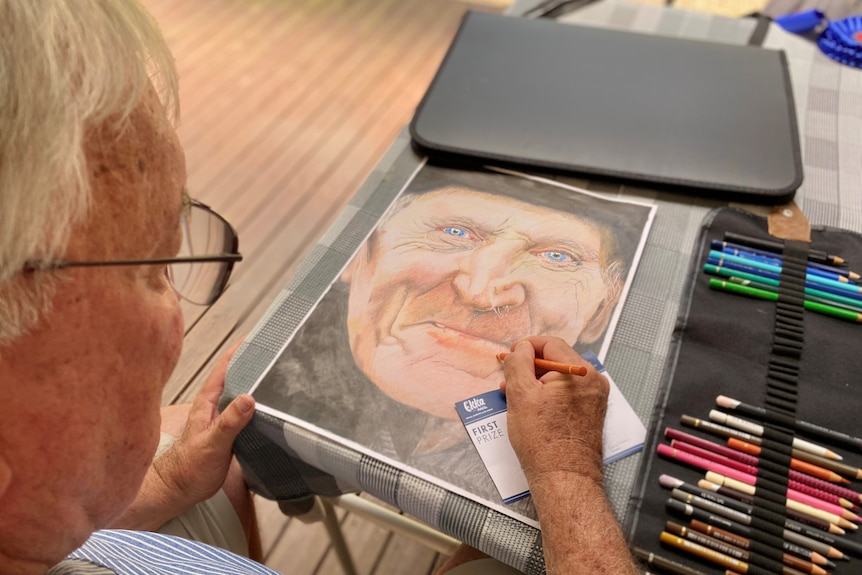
840	40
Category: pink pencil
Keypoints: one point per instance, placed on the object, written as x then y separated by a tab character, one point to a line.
793	483
748	479
793	474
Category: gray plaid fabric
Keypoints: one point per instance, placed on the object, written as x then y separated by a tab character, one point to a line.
289	463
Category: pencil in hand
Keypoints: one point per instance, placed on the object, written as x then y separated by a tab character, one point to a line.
548	365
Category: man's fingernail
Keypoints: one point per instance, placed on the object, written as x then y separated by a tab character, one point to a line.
521	344
245	404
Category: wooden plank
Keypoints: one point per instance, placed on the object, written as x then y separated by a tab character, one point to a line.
404	555
272	523
242	84
283	135
365	541
307	548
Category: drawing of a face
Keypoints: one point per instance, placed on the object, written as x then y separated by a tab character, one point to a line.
455	277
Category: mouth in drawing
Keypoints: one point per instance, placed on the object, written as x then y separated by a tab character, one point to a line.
465	337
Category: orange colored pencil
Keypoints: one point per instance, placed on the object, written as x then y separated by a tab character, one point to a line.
796	464
549	365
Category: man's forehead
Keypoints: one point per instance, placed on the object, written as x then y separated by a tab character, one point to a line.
137	175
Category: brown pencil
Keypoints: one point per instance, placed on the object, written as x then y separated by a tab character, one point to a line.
745	543
548	365
736	551
703	552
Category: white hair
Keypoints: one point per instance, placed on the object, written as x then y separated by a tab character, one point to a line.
66	66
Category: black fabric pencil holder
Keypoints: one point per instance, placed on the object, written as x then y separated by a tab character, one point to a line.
797	365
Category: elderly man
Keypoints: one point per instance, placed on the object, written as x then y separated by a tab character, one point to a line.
96	238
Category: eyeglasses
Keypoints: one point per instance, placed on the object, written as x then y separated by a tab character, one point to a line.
200	271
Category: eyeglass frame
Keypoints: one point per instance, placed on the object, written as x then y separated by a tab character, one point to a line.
229	258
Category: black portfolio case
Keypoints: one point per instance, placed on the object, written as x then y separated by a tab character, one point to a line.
542	94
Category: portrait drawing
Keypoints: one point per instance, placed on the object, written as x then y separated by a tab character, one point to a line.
461	266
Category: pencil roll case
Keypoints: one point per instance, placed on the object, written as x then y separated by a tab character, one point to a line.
776	355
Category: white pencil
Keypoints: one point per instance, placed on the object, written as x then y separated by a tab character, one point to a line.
755	429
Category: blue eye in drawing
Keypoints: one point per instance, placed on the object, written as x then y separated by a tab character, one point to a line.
455	232
556	257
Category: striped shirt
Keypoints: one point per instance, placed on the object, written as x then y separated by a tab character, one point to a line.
118	552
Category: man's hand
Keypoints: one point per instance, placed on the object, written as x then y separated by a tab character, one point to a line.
198	461
555	426
555	420
194	468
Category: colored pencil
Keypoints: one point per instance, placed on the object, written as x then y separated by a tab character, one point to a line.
749	272
756	429
836	466
738	552
548	365
803	426
728	433
751	460
778	246
753	471
817	296
703	552
724	246
815	271
797	557
820	308
820	546
796	464
723	257
795	499
790	510
719	430
663	563
709	494
749	479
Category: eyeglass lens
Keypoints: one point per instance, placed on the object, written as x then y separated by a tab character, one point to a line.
204	233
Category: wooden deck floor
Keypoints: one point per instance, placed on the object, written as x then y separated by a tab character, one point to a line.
286	107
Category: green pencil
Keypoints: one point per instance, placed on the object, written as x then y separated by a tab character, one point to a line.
770	296
808	296
816	294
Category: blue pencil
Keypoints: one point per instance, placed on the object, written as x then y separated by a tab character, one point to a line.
738	249
777	262
776	276
848	288
723	246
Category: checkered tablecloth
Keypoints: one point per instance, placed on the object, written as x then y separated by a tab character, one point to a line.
288	463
